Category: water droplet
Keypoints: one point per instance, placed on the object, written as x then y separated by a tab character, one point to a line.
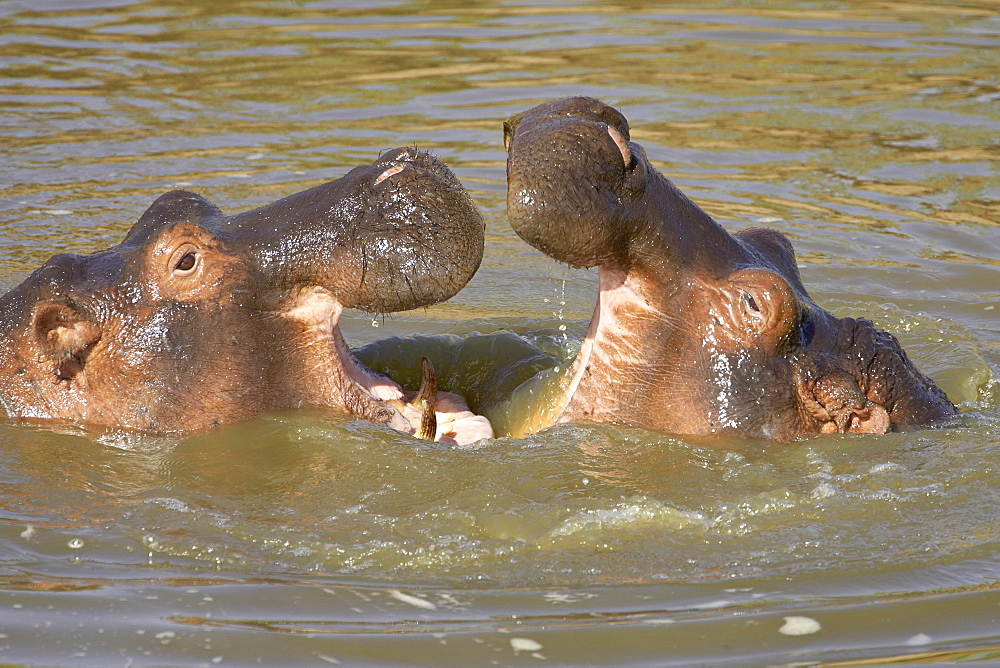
75	544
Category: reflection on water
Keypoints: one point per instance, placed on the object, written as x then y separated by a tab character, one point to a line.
867	133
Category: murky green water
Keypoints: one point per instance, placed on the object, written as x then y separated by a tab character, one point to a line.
867	132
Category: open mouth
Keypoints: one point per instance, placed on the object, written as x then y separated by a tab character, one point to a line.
425	414
337	378
411	413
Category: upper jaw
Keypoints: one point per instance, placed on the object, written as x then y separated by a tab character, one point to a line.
573	182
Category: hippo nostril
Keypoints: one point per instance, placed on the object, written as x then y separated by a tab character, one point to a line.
61	331
69	368
622	145
395	169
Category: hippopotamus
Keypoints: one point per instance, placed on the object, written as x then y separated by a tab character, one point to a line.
696	331
198	318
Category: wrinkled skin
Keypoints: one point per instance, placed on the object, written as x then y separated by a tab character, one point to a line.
198	319
696	331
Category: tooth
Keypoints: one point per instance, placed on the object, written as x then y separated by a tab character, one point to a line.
425	400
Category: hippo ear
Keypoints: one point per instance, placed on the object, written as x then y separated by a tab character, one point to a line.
64	336
186	263
764	308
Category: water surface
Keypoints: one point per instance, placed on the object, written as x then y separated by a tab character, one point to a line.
865	132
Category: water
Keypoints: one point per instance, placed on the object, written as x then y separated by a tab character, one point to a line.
867	133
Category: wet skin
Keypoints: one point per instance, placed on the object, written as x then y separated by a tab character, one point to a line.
696	331
198	319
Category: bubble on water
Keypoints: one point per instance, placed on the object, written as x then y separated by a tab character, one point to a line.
919	639
567	596
412	600
882	468
525	645
799	626
630	515
823	490
75	544
714	605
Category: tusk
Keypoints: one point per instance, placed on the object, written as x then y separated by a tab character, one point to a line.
425	400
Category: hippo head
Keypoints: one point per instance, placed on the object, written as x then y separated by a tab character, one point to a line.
696	331
197	319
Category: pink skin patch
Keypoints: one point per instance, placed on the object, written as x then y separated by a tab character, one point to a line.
378	386
395	169
606	336
320	310
622	145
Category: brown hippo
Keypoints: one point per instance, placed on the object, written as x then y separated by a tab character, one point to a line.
197	319
695	331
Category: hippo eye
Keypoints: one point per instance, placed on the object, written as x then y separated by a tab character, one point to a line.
186	263
751	303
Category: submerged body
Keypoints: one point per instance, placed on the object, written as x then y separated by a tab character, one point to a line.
695	331
198	319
